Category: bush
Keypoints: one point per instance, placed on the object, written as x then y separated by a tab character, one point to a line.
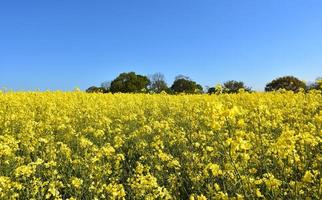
287	82
95	89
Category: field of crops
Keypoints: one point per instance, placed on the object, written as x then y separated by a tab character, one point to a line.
73	145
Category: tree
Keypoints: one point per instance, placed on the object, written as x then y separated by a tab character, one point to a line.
211	90
158	83
184	84
234	86
95	89
130	83
286	82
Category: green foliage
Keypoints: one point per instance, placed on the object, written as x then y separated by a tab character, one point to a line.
211	90
234	87
130	83
95	89
135	83
229	87
186	85
287	82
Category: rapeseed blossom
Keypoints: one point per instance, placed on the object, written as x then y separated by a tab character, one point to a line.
73	145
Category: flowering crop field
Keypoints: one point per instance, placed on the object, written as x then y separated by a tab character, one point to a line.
73	145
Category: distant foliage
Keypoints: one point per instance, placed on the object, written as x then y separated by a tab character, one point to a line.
135	83
130	83
185	85
158	84
235	87
95	89
211	90
287	82
229	87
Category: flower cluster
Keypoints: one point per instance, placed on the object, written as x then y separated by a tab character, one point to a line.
73	145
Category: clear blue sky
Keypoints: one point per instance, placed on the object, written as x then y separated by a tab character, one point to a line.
63	44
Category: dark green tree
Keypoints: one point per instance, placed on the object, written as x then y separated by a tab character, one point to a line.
234	86
286	82
184	84
130	83
211	90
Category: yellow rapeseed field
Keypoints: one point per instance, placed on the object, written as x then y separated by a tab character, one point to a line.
73	145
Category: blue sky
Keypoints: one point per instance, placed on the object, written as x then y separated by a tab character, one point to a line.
63	44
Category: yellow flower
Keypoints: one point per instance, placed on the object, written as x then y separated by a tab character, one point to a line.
258	193
201	197
25	171
56	145
76	182
214	169
308	177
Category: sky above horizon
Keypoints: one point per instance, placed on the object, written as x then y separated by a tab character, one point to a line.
61	45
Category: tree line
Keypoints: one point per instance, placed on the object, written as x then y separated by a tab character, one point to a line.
131	82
